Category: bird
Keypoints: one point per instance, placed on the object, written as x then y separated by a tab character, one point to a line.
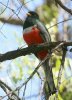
35	32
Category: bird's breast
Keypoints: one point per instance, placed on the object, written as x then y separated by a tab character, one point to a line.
31	36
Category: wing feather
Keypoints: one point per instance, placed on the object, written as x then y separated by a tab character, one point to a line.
44	32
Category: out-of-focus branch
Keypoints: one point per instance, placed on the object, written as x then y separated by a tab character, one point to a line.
12	21
19	22
63	6
61	70
25	83
7	90
31	49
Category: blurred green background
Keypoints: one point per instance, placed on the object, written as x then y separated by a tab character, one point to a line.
15	72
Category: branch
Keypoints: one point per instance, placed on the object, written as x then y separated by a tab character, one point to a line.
12	21
31	49
64	7
61	70
11	10
53	45
25	83
33	73
7	90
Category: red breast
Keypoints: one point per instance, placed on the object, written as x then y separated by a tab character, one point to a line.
33	37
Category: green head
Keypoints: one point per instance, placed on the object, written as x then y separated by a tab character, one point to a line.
30	19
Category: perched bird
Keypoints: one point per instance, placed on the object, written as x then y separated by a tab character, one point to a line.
35	32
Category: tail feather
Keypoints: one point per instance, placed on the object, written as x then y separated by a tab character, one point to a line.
49	86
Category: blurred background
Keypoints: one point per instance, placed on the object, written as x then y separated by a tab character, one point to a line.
15	72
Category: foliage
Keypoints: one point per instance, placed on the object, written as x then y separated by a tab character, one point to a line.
21	68
46	14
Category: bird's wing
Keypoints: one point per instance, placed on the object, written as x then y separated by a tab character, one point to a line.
44	32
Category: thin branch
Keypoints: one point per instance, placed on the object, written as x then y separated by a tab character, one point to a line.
63	6
39	76
11	10
61	70
23	98
12	21
59	22
33	73
7	90
5	8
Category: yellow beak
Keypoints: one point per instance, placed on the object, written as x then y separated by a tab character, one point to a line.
28	14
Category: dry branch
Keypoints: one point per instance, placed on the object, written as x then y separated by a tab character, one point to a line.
63	6
12	21
7	90
31	49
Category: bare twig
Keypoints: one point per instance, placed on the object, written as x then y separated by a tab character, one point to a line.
63	6
33	73
2	13
23	98
7	90
11	10
39	75
12	21
60	22
5	8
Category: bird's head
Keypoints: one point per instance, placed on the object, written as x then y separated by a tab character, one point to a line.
32	14
30	19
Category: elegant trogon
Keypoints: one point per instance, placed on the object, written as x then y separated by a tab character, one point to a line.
35	32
